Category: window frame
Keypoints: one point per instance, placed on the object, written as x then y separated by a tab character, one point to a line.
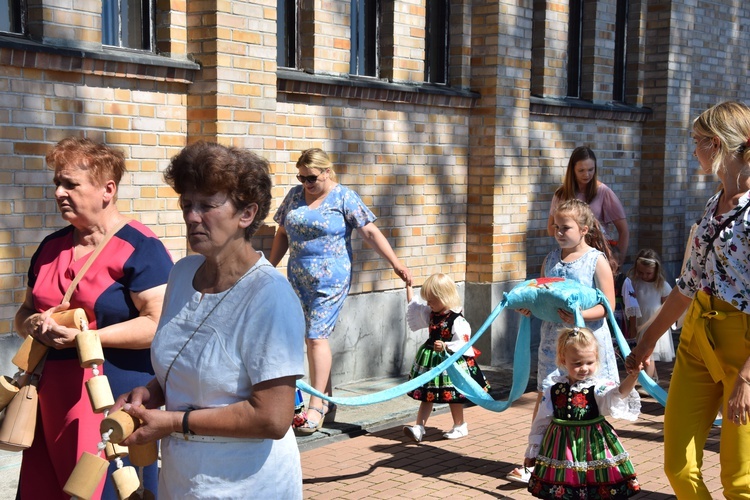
621	51
147	28
287	36
365	38
19	17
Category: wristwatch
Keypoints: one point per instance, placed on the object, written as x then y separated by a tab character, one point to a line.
186	426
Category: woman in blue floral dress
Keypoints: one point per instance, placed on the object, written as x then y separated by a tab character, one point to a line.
315	221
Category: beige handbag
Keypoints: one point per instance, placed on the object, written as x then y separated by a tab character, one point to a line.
19	418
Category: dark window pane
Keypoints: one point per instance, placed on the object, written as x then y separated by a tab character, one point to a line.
574	48
286	33
365	37
127	23
436	42
621	44
10	16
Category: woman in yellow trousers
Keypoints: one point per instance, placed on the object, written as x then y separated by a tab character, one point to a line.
712	370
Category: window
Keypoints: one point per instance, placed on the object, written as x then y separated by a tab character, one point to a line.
12	13
436	41
365	37
286	33
575	29
621	44
128	24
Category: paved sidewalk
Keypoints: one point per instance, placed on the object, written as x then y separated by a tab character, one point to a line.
364	454
383	463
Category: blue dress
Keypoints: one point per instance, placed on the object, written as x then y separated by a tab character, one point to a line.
320	252
581	270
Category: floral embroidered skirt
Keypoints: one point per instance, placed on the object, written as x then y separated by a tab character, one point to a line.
440	389
582	459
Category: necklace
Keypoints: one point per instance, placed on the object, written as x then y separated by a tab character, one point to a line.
248	273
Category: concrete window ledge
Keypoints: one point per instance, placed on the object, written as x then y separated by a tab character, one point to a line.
291	81
579	108
21	52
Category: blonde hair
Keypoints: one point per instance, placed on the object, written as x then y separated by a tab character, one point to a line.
729	122
584	217
582	338
649	258
440	287
318	159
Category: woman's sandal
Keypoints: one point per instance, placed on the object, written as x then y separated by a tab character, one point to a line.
330	411
308	427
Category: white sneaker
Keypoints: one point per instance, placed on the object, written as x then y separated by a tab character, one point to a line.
457	432
415	432
519	475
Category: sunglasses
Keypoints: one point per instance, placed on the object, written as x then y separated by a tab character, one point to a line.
308	179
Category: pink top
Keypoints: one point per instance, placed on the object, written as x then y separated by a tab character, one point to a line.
605	205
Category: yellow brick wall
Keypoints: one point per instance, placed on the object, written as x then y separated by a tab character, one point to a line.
409	165
460	177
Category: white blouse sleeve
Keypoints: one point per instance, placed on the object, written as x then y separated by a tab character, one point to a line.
630	301
539	425
417	315
612	403
461	335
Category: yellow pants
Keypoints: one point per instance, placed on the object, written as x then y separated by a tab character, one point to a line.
714	344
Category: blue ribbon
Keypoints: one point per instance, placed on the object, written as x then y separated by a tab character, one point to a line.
521	368
417	382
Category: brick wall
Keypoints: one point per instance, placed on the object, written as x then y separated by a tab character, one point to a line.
460	176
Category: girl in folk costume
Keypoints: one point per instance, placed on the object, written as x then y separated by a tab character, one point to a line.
574	451
449	331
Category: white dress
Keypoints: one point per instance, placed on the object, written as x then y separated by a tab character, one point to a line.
255	334
649	300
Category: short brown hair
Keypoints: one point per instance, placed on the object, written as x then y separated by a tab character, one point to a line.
209	168
104	163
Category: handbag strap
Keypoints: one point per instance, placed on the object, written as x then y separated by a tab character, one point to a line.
93	257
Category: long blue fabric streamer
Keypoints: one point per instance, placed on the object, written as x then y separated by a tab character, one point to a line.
414	383
471	389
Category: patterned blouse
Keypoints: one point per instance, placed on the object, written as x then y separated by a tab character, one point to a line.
723	270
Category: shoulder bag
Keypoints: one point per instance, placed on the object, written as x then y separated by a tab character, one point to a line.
19	417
